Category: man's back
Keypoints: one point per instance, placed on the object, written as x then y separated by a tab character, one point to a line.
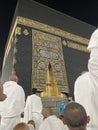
14	103
12	107
36	103
86	93
33	109
51	122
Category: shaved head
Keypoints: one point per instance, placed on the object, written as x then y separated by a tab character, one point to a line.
14	77
75	116
21	126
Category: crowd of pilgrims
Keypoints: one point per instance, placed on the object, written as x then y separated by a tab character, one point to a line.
16	113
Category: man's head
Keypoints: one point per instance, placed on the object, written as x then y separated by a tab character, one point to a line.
34	90
31	123
14	77
46	112
93	42
70	99
75	116
21	126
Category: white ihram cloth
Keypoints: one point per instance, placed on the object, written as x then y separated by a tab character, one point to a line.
86	93
31	127
12	106
52	123
33	110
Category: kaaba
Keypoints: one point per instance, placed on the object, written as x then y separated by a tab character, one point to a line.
46	49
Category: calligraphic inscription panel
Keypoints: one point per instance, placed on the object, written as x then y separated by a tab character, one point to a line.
47	49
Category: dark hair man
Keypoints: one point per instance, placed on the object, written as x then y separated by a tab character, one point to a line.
75	116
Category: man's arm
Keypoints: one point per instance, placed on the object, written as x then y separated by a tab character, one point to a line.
2	96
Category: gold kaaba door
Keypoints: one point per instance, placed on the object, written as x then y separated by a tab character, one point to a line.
48	66
51	89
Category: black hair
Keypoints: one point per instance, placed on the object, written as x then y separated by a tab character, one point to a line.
34	90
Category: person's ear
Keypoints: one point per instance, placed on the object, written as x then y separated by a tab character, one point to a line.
88	119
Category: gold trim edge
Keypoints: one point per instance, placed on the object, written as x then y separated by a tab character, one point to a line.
9	44
50	29
46	28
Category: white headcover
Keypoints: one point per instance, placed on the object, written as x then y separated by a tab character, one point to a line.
93	43
93	47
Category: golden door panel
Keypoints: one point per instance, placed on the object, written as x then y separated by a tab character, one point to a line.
48	68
